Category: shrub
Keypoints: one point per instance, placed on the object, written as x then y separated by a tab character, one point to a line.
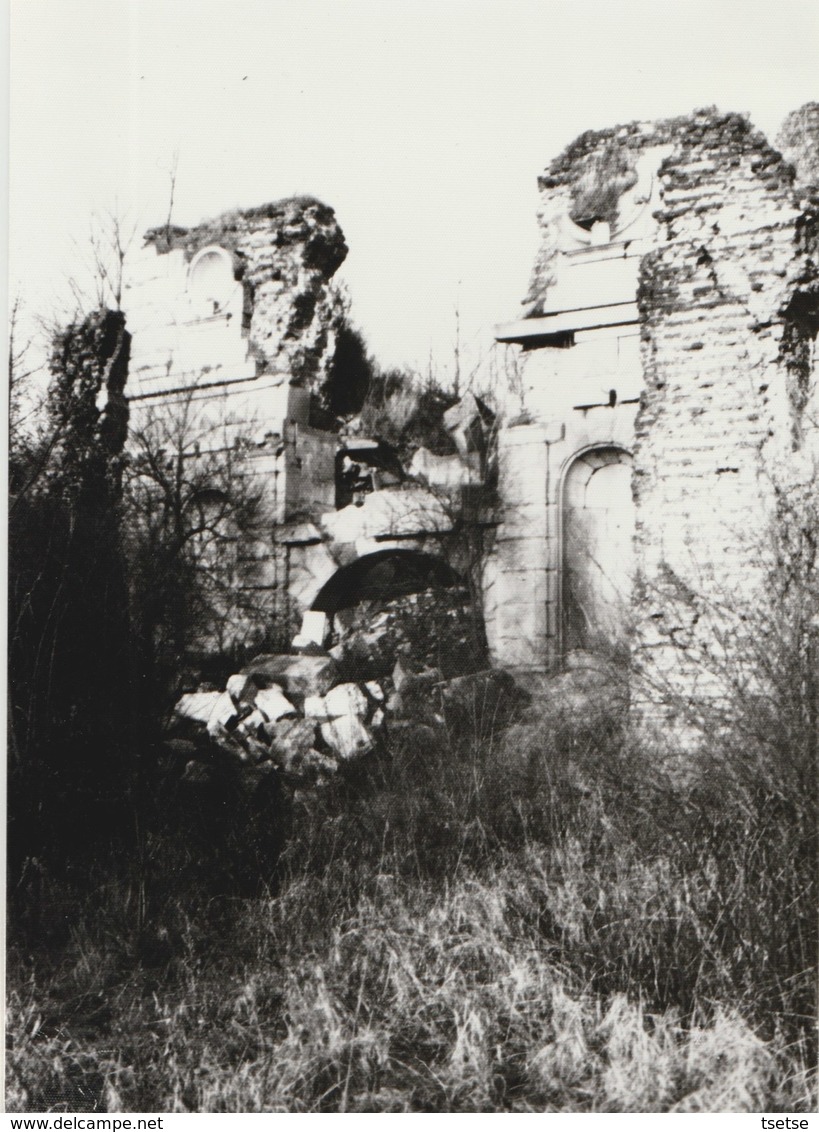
407	413
501	911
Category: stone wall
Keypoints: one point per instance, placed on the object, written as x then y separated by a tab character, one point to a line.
282	257
575	379
235	324
241	338
672	316
727	426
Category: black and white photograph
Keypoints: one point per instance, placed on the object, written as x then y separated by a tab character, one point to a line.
413	530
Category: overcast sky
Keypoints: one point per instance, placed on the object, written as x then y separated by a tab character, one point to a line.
424	124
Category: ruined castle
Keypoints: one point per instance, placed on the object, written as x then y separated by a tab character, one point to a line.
656	445
238	330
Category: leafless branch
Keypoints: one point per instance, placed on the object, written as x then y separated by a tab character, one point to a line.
174	167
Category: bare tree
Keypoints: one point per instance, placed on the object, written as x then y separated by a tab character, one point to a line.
110	239
32	436
24	401
194	519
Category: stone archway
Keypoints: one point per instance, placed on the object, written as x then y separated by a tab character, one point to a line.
382	576
401	603
597	556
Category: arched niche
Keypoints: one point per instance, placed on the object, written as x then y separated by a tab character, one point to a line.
597	555
211	282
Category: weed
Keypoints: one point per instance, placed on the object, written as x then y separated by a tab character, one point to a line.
517	920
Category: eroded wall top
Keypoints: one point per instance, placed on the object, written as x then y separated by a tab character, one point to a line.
798	139
246	294
605	188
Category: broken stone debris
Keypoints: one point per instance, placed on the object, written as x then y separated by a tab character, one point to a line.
266	727
344	699
445	471
347	737
469	422
321	724
298	675
396	512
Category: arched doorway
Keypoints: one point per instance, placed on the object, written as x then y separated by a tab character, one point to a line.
597	550
401	603
383	576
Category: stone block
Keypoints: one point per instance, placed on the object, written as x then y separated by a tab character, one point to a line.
533	583
388	512
523	618
241	688
224	717
254	724
297	675
305	647
290	738
517	556
273	703
520	651
344	699
197	706
314	626
347	737
444	471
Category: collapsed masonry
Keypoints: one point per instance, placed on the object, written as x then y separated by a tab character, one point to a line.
241	337
296	715
658	471
239	331
656	459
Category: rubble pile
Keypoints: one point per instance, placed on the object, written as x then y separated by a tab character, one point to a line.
391	646
293	713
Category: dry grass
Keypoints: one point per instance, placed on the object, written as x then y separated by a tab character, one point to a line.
521	922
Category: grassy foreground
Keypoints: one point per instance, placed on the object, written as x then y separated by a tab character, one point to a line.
480	920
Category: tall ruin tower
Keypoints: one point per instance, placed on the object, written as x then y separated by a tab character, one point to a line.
665	421
241	343
238	319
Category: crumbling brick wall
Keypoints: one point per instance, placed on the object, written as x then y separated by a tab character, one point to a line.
696	240
285	254
798	142
727	426
242	357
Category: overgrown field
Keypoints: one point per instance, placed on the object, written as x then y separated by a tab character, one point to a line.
527	918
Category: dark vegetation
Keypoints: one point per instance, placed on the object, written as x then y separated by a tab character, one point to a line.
75	712
350	375
493	915
192	515
406	412
508	907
